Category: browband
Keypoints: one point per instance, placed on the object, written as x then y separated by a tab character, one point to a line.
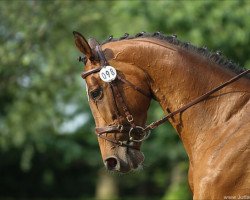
91	71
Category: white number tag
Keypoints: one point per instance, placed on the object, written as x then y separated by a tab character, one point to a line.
108	74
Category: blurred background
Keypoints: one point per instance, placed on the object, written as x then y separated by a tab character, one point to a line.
48	149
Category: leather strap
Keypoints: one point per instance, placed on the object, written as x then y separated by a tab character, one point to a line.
117	112
122	103
112	129
101	55
145	93
91	71
120	143
116	129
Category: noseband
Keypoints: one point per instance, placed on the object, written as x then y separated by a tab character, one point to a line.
137	134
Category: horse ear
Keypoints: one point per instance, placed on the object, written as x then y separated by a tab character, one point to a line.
82	44
92	43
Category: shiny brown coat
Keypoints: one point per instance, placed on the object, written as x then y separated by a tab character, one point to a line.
215	132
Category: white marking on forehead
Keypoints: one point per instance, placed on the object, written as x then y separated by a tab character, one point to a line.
87	90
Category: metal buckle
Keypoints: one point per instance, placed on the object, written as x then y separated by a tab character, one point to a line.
144	134
130	118
120	128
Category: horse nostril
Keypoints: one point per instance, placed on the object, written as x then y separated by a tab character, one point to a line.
111	163
114	117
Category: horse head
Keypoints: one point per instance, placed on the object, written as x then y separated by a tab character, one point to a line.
119	97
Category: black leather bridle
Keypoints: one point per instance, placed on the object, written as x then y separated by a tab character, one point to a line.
137	134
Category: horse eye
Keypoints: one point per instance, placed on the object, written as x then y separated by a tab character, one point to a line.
96	94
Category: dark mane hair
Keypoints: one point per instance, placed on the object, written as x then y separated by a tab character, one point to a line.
215	57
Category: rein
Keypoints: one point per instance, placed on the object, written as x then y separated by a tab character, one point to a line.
195	101
132	129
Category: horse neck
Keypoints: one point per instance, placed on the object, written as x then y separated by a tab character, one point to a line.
176	78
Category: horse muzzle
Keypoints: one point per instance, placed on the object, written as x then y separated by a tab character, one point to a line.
124	160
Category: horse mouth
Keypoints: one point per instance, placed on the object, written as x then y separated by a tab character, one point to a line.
125	160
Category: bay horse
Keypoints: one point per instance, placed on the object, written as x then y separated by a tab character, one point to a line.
123	75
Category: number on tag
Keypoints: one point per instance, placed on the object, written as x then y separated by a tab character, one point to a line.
108	74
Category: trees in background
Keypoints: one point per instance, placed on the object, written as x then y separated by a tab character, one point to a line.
47	145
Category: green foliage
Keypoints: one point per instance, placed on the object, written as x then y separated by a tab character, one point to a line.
47	145
178	188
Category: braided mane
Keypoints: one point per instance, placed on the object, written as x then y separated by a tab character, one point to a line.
215	57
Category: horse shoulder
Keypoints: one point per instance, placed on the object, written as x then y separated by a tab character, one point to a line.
223	168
